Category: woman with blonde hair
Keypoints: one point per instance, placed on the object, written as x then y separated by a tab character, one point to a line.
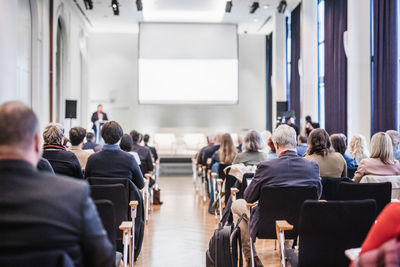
227	150
358	148
381	162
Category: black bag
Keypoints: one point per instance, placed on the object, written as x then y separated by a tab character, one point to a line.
223	246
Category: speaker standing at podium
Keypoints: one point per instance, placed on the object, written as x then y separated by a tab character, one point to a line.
98	119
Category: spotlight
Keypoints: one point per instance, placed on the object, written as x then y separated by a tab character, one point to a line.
228	7
254	7
139	5
282	7
88	4
115	7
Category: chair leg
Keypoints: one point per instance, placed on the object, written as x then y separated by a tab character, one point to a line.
252	252
133	205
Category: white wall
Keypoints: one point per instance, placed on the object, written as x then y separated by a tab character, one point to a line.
113	82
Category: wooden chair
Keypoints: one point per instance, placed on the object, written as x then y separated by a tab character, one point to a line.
128	228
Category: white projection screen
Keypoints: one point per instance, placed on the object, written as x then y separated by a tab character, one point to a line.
188	63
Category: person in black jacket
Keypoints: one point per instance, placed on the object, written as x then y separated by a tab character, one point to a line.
63	162
153	150
144	153
40	211
100	117
112	161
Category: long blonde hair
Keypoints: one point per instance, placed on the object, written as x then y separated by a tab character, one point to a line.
227	150
381	147
358	147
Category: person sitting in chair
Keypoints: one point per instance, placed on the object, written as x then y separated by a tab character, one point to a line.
42	211
287	170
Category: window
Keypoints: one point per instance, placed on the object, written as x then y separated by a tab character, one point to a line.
321	62
288	56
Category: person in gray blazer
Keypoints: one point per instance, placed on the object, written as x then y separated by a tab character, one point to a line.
287	170
41	211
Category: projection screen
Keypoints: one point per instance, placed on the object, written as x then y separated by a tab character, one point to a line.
188	64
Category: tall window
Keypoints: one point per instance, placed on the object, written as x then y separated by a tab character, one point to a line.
321	62
288	56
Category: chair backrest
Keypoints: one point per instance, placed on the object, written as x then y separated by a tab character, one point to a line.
116	194
229	182
281	203
106	211
52	258
380	192
221	173
330	187
327	229
395	180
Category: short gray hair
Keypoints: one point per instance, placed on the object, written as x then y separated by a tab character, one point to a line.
53	134
284	136
253	141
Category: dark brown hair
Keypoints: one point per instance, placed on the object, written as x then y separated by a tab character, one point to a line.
76	135
318	142
126	143
111	132
338	143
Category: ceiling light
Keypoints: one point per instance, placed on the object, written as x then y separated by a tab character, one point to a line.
139	5
266	6
228	7
214	13
115	7
254	7
255	19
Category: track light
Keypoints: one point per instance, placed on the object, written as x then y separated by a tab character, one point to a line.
254	7
282	7
115	7
139	5
88	4
228	7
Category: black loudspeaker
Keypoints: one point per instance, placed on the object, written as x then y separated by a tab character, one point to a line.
70	109
281	108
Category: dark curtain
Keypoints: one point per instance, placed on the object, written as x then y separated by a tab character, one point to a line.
335	67
384	80
268	74
294	94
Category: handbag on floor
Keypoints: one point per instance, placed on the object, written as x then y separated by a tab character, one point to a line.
224	245
156	196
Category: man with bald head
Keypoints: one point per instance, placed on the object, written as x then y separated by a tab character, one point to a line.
41	211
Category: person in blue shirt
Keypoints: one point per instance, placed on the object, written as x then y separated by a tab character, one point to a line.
301	145
339	145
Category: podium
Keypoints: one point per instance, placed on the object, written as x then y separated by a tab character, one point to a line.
97	131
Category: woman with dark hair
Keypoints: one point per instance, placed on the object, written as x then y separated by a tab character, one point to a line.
339	145
331	164
126	144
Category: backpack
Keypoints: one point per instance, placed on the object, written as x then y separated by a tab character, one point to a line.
223	247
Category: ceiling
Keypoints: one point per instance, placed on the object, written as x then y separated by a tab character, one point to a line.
198	11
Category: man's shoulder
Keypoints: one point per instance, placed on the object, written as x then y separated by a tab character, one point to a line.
64	183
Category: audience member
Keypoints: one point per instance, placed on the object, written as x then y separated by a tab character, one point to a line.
339	145
112	161
381	162
210	142
358	148
44	166
63	162
288	121
387	227
301	145
210	150
394	135
76	136
153	150
331	164
252	150
297	172
272	151
126	145
90	143
226	152
310	125
240	144
266	135
145	156
40	211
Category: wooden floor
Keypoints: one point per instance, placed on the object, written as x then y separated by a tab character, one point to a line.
179	230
